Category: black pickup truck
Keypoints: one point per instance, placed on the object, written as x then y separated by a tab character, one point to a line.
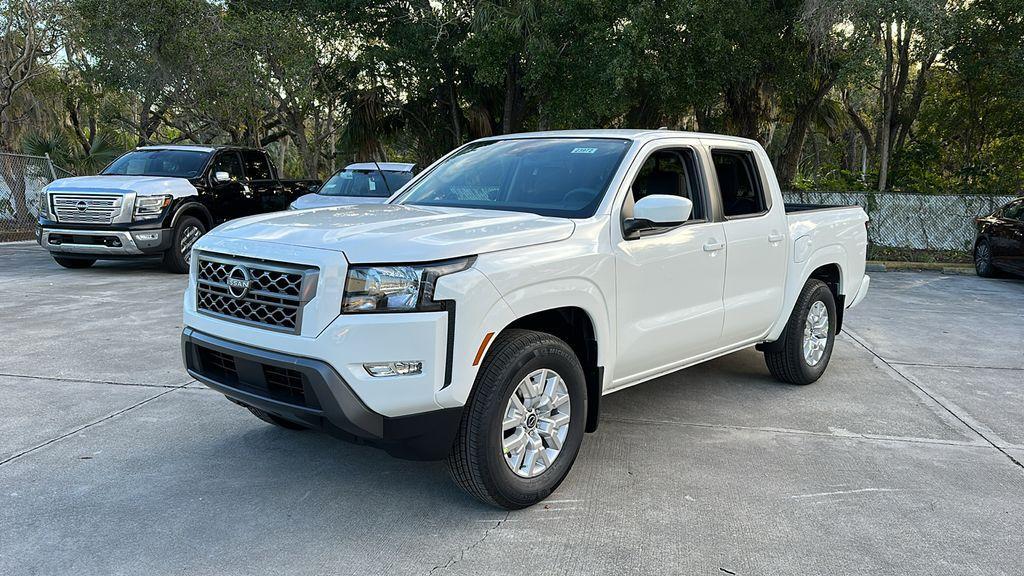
156	201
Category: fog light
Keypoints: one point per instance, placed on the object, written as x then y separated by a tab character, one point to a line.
379	369
146	236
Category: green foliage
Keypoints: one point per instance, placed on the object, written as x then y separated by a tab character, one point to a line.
326	82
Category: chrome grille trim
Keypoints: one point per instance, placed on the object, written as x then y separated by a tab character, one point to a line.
98	208
275	299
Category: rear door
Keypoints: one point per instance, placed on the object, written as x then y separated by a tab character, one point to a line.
668	281
265	191
755	232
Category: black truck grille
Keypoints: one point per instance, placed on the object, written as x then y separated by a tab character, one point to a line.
267	295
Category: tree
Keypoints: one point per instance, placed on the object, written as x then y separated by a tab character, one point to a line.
28	40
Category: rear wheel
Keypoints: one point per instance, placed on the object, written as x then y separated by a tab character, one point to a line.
983	259
806	344
275	420
523	425
74	263
184	235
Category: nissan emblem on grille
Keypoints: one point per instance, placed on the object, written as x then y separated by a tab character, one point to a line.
82	205
264	294
238	281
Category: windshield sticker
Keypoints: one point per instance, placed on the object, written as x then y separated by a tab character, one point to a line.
583	150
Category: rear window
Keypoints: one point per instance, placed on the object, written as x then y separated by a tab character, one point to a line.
564	177
179	163
256	165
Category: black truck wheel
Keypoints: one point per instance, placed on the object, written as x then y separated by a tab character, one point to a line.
184	235
523	425
74	263
806	344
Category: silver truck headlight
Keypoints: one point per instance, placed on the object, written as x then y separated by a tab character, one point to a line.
150	206
396	288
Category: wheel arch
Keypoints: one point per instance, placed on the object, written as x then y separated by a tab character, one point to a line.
195	209
825	264
574	326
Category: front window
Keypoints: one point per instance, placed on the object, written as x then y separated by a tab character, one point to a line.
178	163
365	183
564	177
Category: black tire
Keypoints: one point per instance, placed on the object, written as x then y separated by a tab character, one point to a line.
477	461
74	263
983	259
275	420
176	259
786	359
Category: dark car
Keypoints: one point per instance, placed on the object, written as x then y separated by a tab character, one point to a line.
156	201
999	246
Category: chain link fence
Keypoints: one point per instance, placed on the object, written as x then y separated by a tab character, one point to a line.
919	221
22	178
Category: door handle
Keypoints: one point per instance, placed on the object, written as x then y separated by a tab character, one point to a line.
775	237
712	246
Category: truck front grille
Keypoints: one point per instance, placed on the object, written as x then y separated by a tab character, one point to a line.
87	208
264	294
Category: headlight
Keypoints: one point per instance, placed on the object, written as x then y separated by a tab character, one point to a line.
43	209
398	288
150	206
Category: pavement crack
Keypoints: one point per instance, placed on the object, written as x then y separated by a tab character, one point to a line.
927	365
847	436
462	553
937	400
87	381
86	426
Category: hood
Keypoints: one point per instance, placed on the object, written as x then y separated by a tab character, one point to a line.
141	185
321	201
373	233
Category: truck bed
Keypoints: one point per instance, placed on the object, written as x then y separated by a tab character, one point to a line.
792	207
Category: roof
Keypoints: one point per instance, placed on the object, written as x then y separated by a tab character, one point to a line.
624	133
179	147
384	166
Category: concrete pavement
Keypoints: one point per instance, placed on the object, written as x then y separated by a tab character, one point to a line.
905	458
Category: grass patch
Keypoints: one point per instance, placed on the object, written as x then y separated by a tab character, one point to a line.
918	255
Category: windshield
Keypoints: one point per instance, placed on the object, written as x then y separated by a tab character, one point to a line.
180	163
365	183
548	176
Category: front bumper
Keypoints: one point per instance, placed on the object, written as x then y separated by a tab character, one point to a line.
103	243
313	393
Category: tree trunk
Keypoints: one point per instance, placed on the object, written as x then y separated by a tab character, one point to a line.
511	92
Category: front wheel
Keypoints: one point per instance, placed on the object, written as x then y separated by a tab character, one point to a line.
983	259
184	235
806	344
523	425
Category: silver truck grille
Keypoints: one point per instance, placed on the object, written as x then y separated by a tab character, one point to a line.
264	294
87	208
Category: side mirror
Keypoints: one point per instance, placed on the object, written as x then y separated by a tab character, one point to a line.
221	177
657	211
314	188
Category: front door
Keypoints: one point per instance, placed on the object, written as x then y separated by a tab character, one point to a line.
227	199
668	282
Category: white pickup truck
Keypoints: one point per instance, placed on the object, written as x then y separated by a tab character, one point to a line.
481	313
